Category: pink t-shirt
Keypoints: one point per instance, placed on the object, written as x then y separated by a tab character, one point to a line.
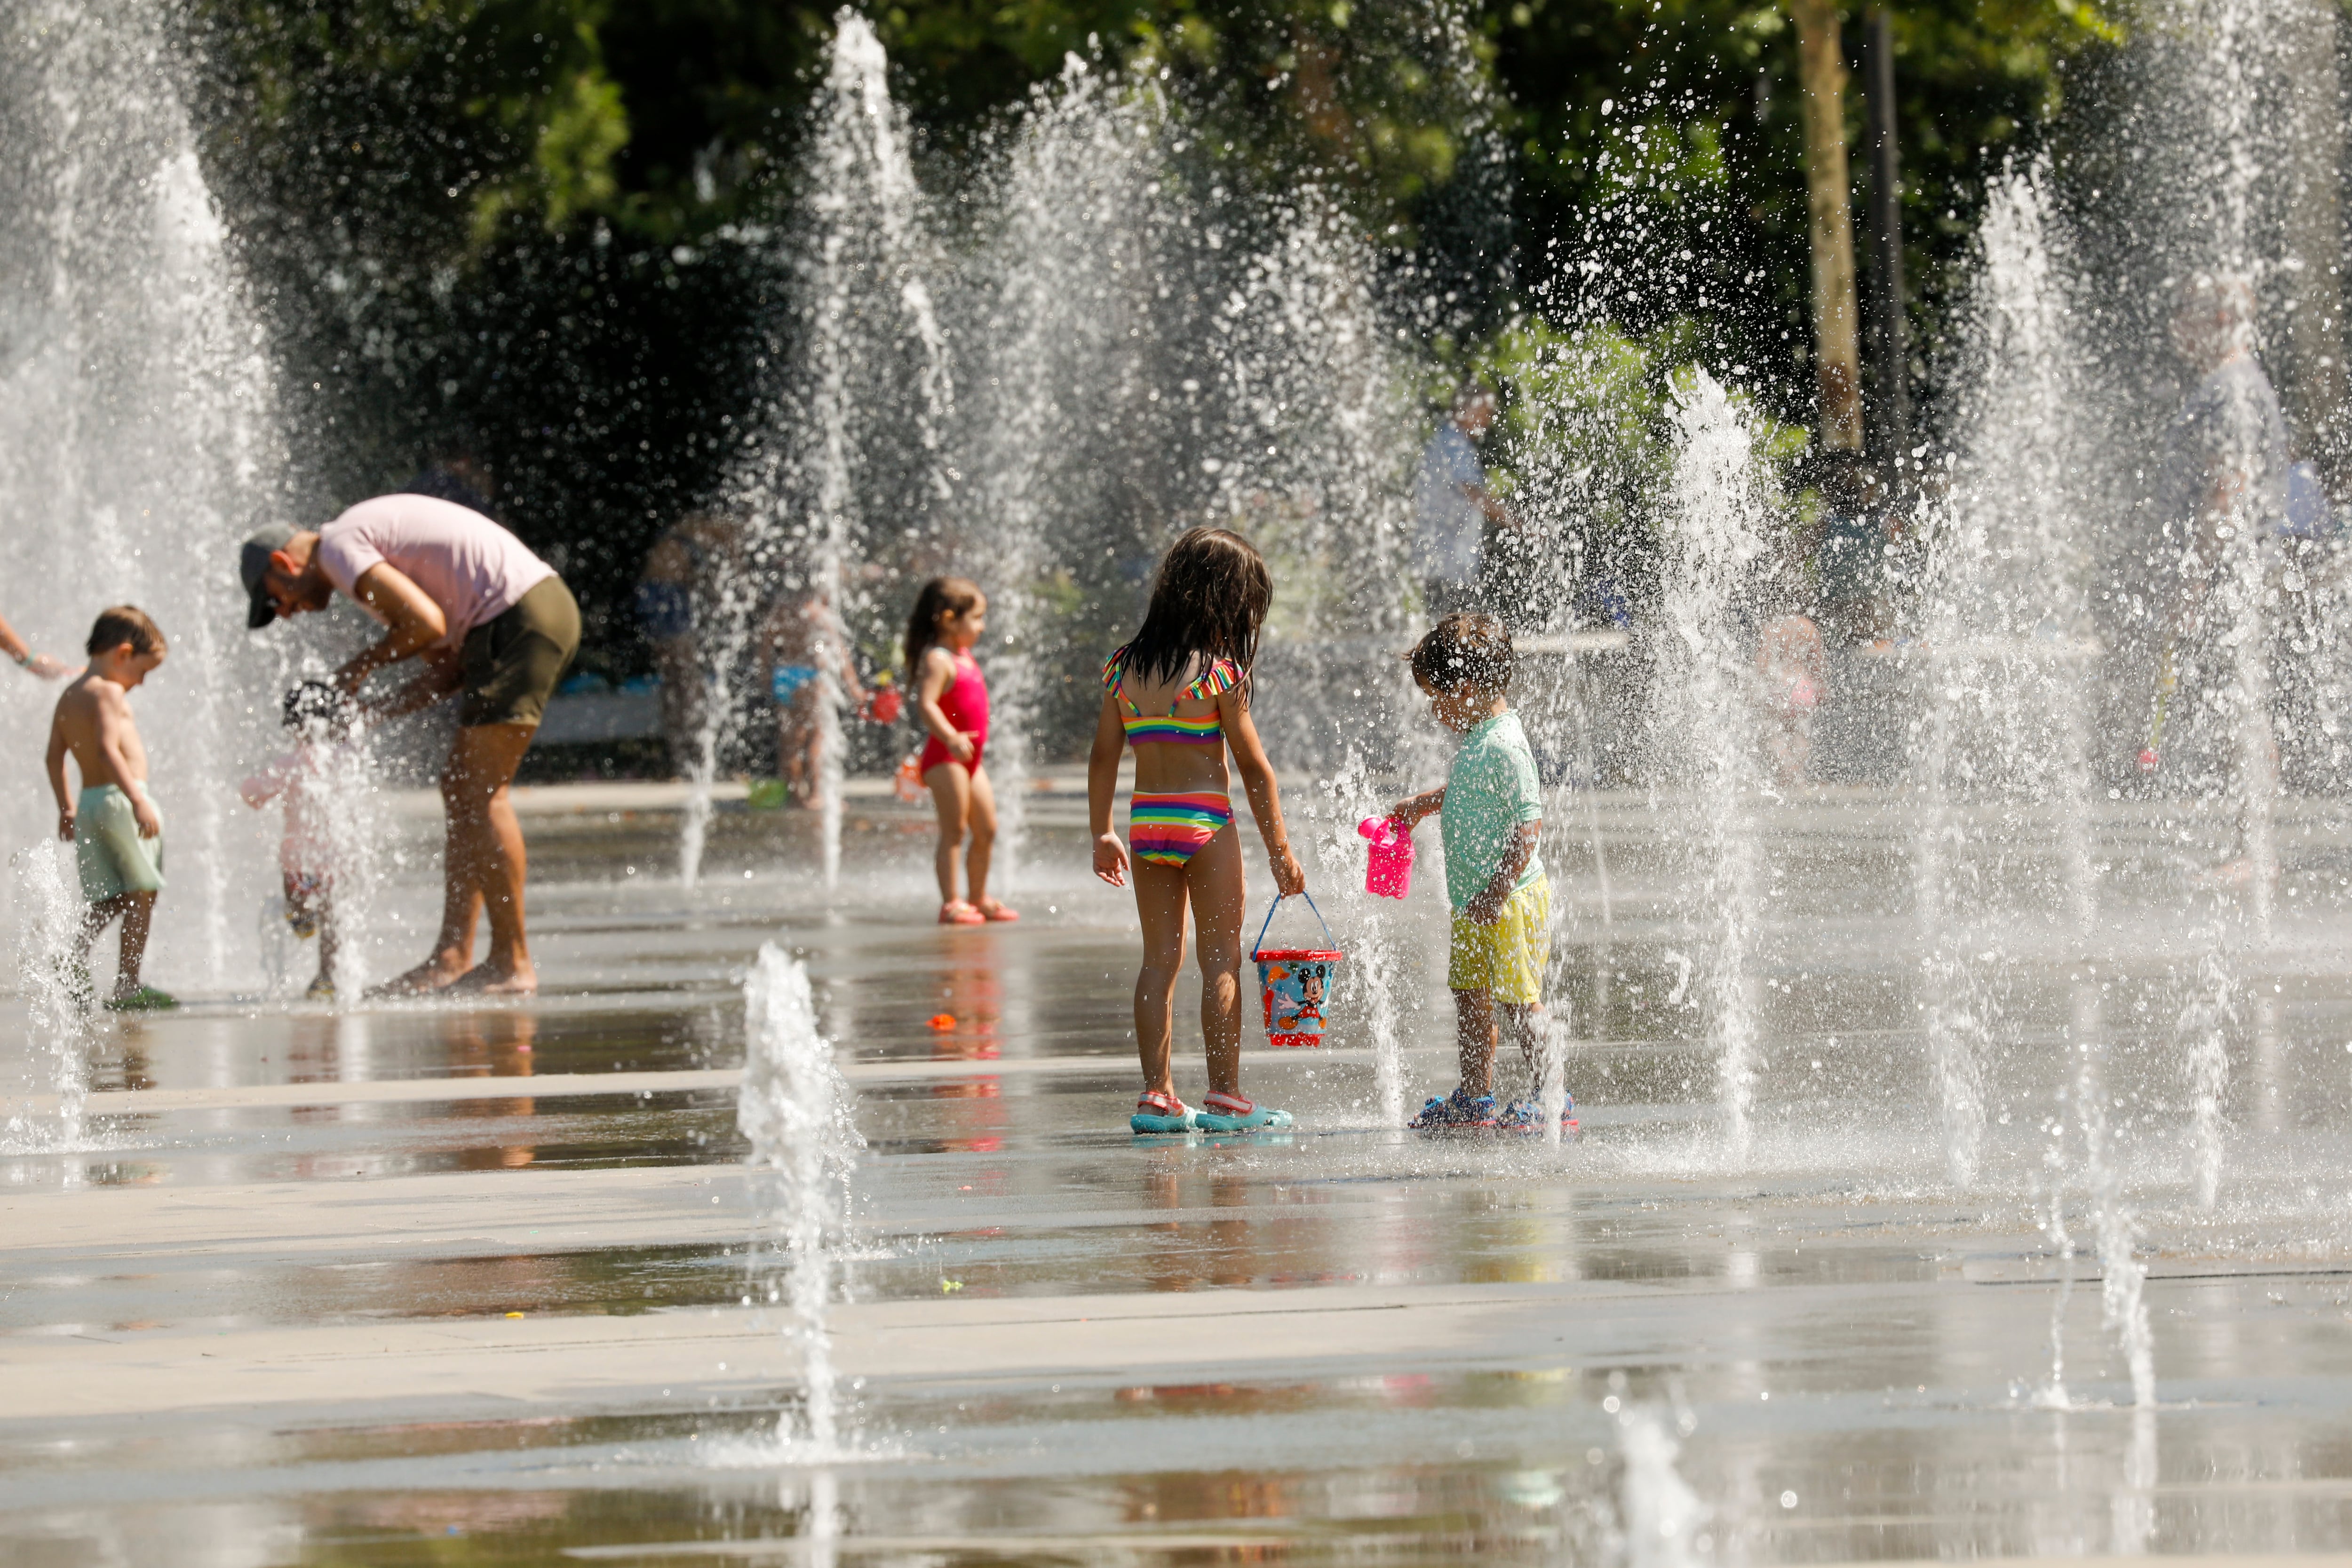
466	564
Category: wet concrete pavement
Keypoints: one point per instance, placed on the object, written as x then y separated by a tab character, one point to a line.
476	1283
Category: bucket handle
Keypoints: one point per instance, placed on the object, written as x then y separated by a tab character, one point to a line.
1259	946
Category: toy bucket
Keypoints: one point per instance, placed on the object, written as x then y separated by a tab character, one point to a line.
1389	873
1296	984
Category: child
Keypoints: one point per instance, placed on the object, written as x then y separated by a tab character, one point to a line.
949	618
318	714
117	835
1501	903
1790	658
1180	695
806	639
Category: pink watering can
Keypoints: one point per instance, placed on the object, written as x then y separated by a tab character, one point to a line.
1390	874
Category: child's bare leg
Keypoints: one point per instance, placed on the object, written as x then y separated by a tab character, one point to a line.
796	747
1523	1022
322	905
1160	896
1219	909
138	917
951	785
95	920
982	822
1474	1037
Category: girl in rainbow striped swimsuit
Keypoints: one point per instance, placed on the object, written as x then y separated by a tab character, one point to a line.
1179	694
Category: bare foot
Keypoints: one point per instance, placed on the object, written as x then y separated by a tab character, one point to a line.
427	978
483	979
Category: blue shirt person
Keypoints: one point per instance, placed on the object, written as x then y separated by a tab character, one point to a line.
1452	505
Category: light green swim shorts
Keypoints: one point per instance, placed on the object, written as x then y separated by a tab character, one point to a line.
108	851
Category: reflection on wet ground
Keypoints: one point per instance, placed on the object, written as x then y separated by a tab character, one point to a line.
461	1283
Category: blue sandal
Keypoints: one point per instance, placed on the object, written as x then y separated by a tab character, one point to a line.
1156	1113
1527	1115
1231	1114
1460	1108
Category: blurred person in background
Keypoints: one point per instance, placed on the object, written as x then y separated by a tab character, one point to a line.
1452	506
38	664
681	599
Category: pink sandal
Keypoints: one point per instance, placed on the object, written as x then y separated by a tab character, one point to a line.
956	913
996	910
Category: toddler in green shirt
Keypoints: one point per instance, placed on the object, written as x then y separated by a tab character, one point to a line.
1492	813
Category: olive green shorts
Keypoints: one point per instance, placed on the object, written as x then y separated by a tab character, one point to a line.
110	856
511	664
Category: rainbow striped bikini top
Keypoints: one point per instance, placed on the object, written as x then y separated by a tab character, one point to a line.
1166	728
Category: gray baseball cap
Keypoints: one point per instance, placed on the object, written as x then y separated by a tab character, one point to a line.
253	565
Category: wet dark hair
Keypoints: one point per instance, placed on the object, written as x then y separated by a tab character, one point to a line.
124	624
939	596
1465	650
318	709
1208	601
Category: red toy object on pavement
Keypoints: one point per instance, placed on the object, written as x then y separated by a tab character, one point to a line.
1390	873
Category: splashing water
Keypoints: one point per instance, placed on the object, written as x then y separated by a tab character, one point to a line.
1721	503
2203	1032
1999	746
719	716
794	1107
863	208
1552	1093
138	431
2115	1227
1661	1514
55	989
2054	1395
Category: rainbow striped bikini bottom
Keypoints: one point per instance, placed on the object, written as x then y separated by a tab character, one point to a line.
1170	829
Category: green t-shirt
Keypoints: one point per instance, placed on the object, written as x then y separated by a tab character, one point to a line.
1489	791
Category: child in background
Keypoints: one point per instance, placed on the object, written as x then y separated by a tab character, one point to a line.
319	715
116	832
1790	662
949	616
806	640
1502	904
1180	694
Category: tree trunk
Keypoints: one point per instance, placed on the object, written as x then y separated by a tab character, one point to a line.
1837	318
2315	338
1890	415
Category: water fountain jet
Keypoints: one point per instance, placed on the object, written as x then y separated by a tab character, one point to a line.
1721	498
794	1107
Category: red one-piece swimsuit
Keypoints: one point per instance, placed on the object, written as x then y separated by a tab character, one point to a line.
965	704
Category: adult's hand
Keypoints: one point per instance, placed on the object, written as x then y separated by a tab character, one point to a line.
412	622
20	650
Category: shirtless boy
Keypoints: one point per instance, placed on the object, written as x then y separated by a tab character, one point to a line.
118	838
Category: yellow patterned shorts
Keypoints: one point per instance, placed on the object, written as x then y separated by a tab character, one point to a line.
1507	957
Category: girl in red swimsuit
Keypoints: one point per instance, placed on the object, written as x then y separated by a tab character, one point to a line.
952	698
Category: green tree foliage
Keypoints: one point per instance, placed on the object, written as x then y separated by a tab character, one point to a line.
542	229
1702	96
